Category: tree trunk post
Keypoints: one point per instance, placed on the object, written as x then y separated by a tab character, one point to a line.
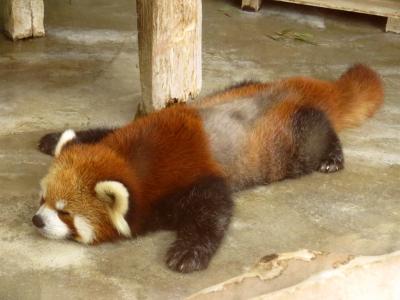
252	5
393	25
24	18
169	51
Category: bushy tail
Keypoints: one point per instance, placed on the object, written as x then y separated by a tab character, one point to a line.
360	95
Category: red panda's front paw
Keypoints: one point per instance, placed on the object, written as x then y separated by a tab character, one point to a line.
186	259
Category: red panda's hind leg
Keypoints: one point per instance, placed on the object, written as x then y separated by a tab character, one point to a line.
316	144
202	214
334	160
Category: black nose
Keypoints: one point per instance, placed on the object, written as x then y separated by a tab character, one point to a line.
37	221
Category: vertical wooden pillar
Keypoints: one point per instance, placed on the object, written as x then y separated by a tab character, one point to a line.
169	50
393	24
253	5
24	18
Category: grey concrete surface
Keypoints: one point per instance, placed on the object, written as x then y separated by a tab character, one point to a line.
85	73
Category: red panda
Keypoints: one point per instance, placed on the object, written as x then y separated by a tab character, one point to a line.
175	169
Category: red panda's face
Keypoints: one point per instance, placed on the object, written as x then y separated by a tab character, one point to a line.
75	205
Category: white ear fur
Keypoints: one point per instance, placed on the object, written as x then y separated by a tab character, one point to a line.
67	136
117	196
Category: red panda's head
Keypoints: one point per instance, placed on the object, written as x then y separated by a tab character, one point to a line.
84	196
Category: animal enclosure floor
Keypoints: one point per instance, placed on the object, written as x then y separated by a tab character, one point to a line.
85	73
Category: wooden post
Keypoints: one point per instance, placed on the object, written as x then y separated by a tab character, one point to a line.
24	18
169	51
393	24
253	5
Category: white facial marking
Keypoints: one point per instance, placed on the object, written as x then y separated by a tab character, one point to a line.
53	227
66	137
84	229
60	204
119	208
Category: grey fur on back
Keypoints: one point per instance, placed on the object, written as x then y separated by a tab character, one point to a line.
228	123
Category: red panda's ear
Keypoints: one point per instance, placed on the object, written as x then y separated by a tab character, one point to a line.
66	137
116	195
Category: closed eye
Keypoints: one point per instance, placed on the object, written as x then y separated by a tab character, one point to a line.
63	213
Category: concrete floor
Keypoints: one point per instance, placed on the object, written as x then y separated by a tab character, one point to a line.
85	73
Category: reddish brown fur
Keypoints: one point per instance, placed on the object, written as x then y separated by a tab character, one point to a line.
163	166
77	178
348	101
168	154
164	160
155	167
270	144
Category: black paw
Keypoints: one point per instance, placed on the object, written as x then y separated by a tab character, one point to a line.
48	143
332	164
186	259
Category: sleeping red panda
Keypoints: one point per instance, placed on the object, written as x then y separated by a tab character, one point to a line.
175	169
